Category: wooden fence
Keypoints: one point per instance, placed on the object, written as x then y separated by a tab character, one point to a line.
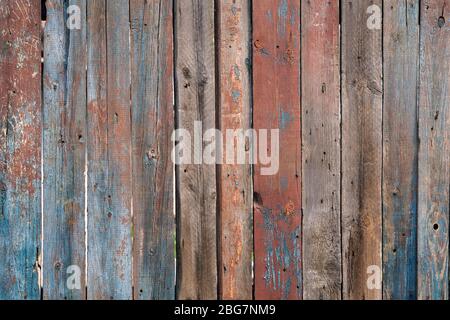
93	207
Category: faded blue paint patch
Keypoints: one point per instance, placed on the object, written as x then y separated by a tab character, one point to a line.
285	119
237	72
236	95
282	15
284	181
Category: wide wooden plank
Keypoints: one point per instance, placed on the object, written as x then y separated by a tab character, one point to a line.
400	147
434	150
276	91
109	151
321	150
196	193
362	103
235	179
20	144
64	152
152	125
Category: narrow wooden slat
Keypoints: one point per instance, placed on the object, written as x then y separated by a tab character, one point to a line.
321	150
362	103
64	133
235	180
20	155
434	150
152	125
109	151
400	147
196	183
276	91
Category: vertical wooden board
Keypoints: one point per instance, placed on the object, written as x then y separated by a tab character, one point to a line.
362	107
196	183
64	133
276	91
109	151
434	150
20	155
400	147
152	125
234	179
321	150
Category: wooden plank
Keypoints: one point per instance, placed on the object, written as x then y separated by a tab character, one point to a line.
400	147
196	183
362	114
20	155
153	124
434	150
234	179
276	91
109	151
64	152
321	150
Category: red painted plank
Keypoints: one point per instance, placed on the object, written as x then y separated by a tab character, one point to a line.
20	149
276	85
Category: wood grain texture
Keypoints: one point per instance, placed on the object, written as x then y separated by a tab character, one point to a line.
64	152
362	112
235	179
20	143
152	127
434	150
400	148
276	91
321	150
109	151
196	183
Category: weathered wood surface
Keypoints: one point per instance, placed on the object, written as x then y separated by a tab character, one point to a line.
64	133
152	125
235	179
276	90
362	113
196	192
434	150
109	151
20	144
400	146
321	150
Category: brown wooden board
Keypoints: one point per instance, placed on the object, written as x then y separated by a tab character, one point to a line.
362	111
196	192
234	178
109	151
321	143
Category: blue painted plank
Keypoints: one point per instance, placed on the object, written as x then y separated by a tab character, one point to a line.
401	35
64	136
152	127
434	150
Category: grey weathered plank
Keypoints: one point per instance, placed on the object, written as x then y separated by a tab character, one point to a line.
20	155
64	132
362	112
109	151
152	125
400	147
434	150
196	183
321	150
234	180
